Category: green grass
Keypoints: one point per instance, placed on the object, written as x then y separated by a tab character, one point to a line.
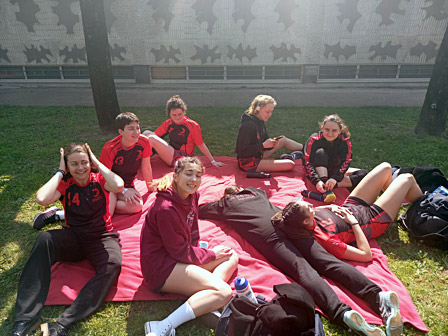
29	143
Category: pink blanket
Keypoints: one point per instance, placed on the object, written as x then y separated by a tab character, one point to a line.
69	278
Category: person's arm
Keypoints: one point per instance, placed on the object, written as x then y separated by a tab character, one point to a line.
114	183
204	149
310	171
174	234
147	172
362	252
48	193
247	144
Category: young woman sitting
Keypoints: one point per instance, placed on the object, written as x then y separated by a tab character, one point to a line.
171	259
184	135
328	155
362	217
254	146
89	234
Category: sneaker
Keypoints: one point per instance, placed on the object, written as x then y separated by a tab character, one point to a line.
293	156
329	197
390	313
356	323
24	328
159	328
53	329
44	218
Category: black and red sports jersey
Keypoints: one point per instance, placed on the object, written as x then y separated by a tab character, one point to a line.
340	148
183	137
125	162
86	207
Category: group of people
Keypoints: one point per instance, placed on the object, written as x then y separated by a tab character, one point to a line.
302	241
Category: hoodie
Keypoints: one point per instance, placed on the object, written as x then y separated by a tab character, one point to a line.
251	135
170	235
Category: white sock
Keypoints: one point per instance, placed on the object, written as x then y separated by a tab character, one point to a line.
181	315
60	214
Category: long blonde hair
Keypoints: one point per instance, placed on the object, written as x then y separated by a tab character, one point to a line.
260	101
167	180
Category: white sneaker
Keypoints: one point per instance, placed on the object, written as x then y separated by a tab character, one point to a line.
159	328
390	313
358	324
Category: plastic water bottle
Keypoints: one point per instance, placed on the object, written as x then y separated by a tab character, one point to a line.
243	288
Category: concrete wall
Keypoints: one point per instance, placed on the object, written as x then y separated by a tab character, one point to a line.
228	32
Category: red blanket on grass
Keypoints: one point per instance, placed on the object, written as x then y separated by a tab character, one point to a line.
69	278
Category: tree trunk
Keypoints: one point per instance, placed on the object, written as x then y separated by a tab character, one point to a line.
100	66
433	115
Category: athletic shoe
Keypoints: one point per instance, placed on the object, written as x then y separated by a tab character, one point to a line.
44	218
329	197
159	328
293	156
53	329
24	328
356	323
390	313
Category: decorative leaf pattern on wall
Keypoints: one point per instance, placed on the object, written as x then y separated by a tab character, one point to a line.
116	51
37	54
4	55
438	9
166	54
65	15
162	12
27	13
204	13
74	54
336	51
388	7
239	52
284	52
285	8
243	11
349	11
204	53
430	50
388	50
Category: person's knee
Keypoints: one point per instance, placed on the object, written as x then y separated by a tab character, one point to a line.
224	292
386	167
406	178
289	165
321	158
233	261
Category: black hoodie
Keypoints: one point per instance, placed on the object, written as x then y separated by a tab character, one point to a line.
251	135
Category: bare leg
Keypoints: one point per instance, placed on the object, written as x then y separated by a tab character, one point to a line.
207	291
125	208
223	270
403	187
376	180
285	143
268	165
322	171
162	147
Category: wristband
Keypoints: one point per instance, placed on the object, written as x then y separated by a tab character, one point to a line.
354	224
59	173
213	161
124	191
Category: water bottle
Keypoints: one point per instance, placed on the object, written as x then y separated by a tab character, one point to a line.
243	288
261	175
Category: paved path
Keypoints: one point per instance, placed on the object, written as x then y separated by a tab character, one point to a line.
214	95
